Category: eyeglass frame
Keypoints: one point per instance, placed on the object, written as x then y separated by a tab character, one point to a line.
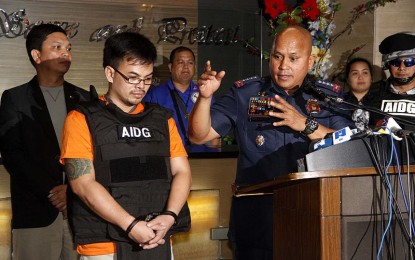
405	61
153	79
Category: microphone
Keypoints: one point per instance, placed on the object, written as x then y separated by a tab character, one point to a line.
340	136
401	133
390	126
360	118
310	87
362	134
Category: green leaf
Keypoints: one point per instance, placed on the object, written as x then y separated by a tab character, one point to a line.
298	19
337	7
282	16
297	11
265	55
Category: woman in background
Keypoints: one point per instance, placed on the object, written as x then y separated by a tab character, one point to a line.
359	75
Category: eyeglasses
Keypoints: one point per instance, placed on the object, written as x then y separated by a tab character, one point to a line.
147	81
397	62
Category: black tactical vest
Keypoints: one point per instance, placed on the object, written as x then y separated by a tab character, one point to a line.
131	160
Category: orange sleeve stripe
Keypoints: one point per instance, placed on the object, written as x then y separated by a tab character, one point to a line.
176	145
76	139
95	249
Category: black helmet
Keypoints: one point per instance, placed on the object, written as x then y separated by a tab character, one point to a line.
396	46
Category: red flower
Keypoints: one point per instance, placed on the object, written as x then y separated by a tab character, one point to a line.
274	7
310	10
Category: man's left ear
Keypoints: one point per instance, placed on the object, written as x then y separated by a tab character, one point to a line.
109	74
35	55
311	61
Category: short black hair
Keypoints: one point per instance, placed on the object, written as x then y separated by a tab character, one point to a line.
353	61
129	45
180	49
37	35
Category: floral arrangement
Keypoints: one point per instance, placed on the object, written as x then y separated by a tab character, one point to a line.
317	17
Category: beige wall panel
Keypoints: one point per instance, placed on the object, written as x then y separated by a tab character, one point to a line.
86	67
362	33
174	3
371	29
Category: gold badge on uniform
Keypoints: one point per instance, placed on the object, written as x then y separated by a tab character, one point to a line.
260	140
312	106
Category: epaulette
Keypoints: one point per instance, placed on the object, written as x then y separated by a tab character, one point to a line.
242	82
324	85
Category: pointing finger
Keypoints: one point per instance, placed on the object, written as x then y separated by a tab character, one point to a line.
208	66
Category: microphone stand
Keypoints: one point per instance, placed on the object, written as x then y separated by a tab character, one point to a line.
309	86
371	109
395	206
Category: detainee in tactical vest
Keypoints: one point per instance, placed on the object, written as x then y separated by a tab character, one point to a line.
125	162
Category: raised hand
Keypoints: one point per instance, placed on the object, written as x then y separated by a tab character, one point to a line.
289	115
209	81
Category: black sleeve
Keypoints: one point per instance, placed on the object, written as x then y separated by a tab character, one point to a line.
22	154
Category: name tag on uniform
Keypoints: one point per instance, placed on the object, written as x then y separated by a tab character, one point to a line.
133	132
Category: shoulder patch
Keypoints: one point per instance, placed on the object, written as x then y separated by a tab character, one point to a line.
242	82
328	86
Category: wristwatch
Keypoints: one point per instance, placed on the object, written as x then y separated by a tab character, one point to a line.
311	125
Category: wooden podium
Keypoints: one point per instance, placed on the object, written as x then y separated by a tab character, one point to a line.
323	214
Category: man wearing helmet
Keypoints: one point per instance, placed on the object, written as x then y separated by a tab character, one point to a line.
396	94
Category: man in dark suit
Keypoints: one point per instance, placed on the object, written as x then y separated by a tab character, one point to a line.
31	121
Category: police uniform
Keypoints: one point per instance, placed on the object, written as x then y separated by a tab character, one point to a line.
265	152
162	95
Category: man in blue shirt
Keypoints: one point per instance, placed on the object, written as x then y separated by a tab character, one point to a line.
267	149
179	94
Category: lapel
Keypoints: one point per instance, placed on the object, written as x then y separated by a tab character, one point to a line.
41	113
72	97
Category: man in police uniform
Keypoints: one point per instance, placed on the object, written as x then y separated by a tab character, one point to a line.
396	95
124	160
267	149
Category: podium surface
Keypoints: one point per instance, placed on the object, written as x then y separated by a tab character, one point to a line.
333	214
